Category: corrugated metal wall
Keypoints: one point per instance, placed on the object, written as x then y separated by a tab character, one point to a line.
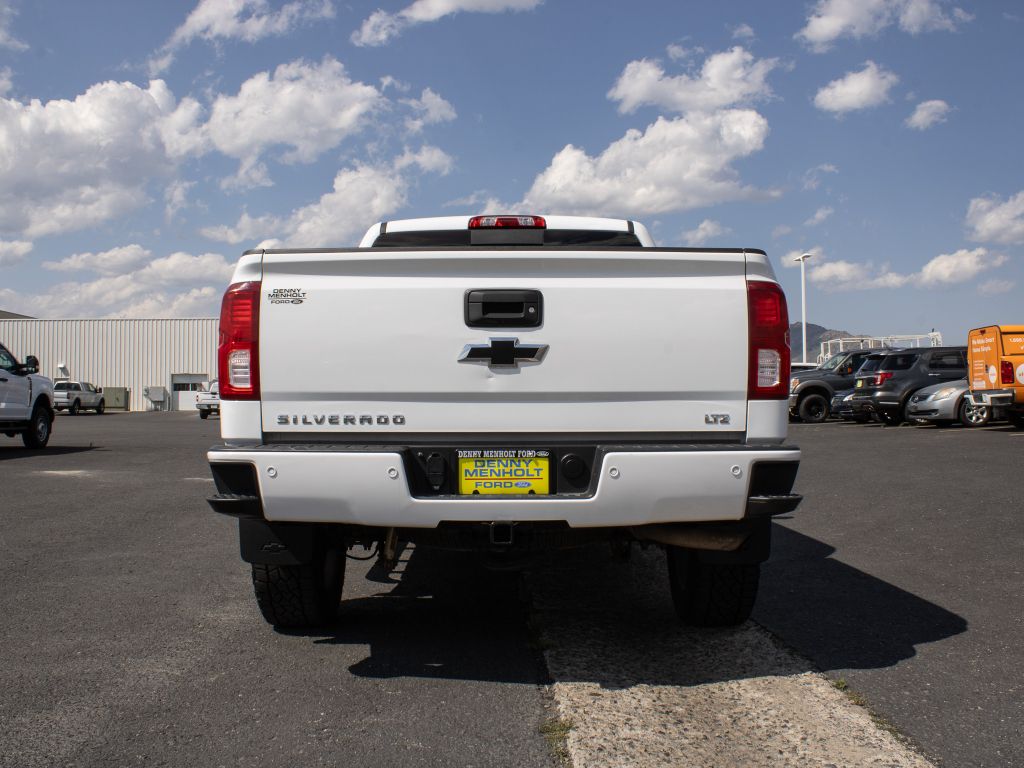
118	353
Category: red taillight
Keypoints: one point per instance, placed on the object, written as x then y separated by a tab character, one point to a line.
768	363
238	359
507	222
881	378
1006	372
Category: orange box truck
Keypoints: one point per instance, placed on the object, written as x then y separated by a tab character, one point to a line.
995	364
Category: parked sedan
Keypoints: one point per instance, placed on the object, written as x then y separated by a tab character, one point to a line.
945	403
842	407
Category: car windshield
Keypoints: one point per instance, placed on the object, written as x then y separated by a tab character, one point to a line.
833	362
60	387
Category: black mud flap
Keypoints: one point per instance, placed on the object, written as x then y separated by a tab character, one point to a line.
266	543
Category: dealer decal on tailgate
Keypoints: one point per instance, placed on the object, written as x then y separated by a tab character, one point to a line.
504	472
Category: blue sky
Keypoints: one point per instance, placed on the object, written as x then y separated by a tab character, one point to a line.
143	146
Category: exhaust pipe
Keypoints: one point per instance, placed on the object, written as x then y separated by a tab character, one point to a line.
707	537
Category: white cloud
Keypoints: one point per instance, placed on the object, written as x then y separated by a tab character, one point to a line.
705	231
7	40
819	216
677	52
781	230
727	78
743	32
927	114
176	197
381	26
917	16
314	107
13	251
360	196
857	90
944	270
812	177
993	221
177	285
834	19
112	262
246	20
674	165
790	260
247	228
958	267
6	81
996	287
428	109
67	165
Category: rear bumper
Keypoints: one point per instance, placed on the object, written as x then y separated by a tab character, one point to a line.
634	486
994	398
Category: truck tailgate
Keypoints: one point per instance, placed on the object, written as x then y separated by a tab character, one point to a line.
368	342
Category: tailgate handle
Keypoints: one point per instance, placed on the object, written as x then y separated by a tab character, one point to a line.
503	308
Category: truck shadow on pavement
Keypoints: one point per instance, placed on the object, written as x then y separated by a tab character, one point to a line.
445	617
18	452
603	621
841	617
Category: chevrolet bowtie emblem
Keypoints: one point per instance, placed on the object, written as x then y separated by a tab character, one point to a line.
503	353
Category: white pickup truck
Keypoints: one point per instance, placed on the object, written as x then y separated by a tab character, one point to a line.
208	401
504	384
26	400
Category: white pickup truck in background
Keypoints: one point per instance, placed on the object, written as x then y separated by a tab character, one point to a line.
208	401
504	384
76	396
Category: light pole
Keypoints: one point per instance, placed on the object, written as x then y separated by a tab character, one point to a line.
803	300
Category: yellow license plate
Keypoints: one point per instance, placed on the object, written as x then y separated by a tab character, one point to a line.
504	472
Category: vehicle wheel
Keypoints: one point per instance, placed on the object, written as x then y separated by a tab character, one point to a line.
73	408
100	408
890	418
204	414
972	415
294	596
711	594
38	433
1016	419
813	409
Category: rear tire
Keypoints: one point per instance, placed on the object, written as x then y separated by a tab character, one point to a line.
711	594
1017	420
813	409
972	415
891	419
204	414
74	407
100	408
298	596
38	433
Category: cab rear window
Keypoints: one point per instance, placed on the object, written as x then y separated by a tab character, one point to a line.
459	238
60	387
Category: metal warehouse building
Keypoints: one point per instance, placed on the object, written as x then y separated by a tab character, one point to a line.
168	359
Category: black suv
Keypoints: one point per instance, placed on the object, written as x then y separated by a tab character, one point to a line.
886	391
811	392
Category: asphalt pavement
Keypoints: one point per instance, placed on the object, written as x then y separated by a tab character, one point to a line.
903	574
131	636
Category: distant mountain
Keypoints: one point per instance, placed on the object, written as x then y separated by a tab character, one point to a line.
816	334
